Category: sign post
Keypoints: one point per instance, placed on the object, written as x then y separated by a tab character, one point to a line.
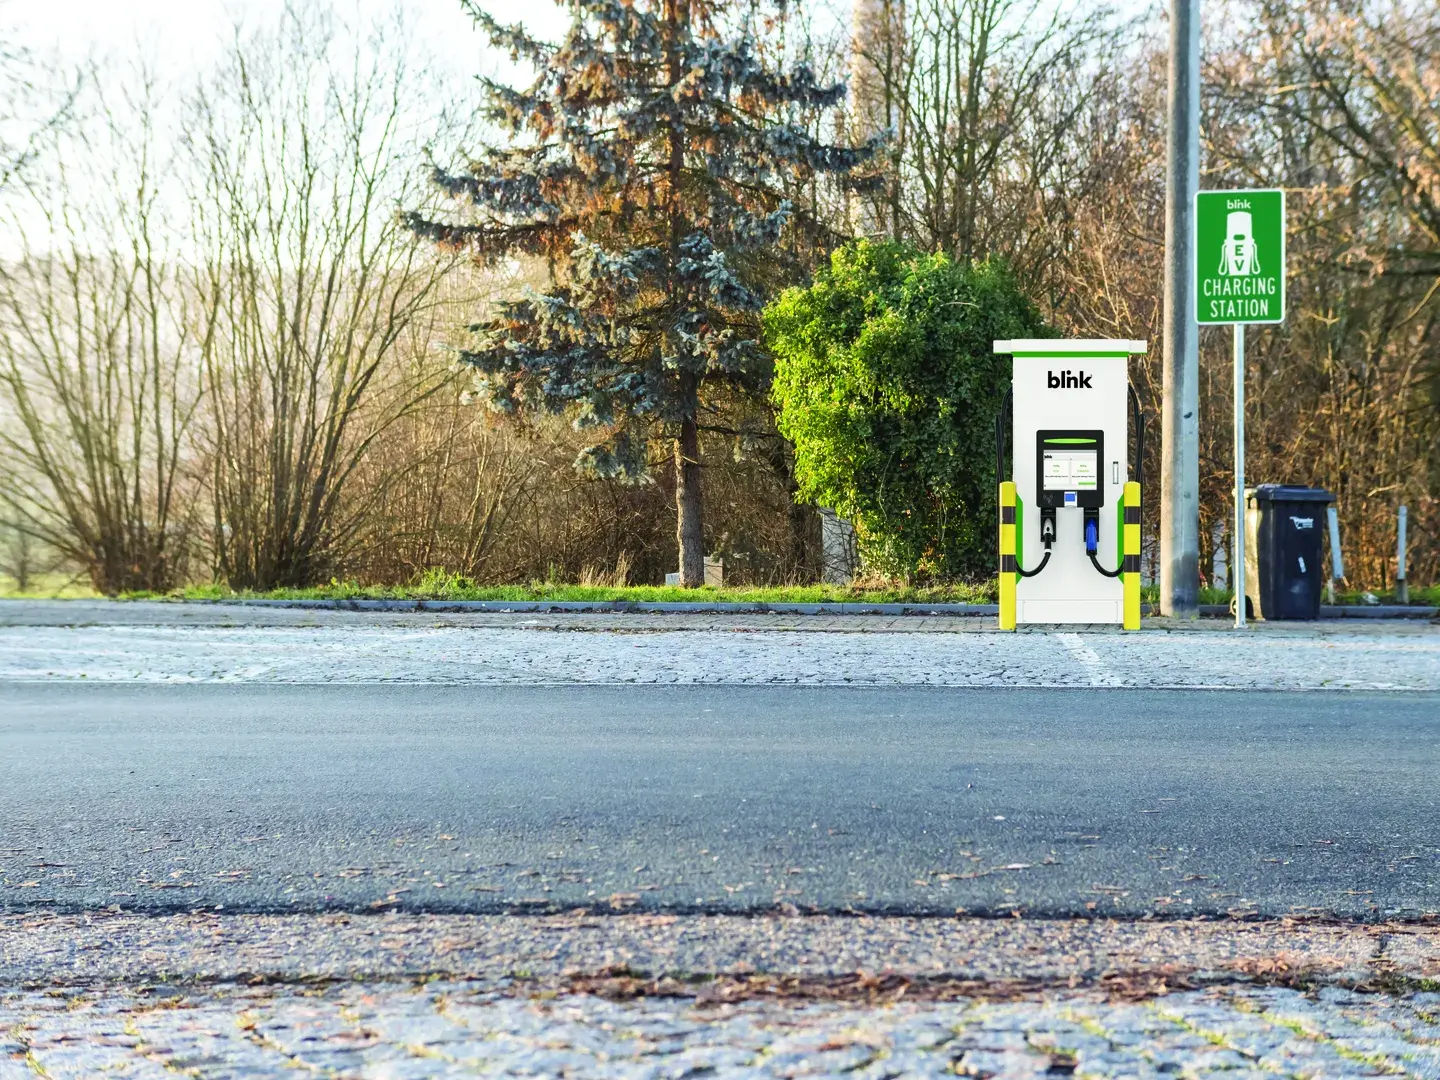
1239	278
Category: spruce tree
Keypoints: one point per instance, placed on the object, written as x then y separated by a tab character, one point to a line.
652	164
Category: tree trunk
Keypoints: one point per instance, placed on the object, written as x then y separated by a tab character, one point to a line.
689	519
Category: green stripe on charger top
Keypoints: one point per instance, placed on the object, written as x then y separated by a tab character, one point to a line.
1058	355
1069	442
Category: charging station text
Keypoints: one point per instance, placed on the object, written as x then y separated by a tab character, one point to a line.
1066	380
1240	297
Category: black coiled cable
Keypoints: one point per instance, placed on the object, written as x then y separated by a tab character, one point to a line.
1031	573
1108	573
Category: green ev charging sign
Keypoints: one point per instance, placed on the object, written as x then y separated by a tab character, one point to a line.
1240	256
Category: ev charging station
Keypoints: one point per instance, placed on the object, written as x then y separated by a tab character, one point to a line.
1070	514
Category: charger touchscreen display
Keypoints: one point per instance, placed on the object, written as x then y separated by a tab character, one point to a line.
1071	470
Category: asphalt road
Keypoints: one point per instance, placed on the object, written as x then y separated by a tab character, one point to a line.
912	799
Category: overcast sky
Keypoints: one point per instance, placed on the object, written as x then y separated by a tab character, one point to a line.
187	33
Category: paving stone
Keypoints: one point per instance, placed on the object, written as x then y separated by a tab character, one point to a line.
412	1068
1114	1063
1012	1038
989	1063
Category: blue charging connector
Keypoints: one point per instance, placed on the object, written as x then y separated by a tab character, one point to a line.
1092	542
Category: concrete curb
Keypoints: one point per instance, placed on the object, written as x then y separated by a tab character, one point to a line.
621	607
845	607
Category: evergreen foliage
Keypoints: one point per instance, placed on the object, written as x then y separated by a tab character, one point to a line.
653	164
888	385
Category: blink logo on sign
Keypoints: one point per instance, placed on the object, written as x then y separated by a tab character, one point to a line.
1067	380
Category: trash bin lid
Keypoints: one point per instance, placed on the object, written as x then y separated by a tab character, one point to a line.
1289	493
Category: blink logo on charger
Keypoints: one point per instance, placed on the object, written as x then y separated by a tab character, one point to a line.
1067	380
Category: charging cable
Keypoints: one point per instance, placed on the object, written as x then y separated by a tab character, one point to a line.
1047	537
1092	546
1031	573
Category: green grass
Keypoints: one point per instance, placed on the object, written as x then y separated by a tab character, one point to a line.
53	586
449	587
1427	596
1419	595
1150	594
436	585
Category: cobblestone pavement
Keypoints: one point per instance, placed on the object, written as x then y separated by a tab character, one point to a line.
735	650
444	1029
437	996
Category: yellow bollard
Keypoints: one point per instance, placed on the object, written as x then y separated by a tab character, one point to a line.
1008	575
1131	563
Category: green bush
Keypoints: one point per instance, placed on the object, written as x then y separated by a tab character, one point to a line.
888	386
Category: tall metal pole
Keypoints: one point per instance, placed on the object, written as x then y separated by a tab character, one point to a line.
1237	542
1180	412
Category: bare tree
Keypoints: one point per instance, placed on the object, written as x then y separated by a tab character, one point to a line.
97	354
302	141
984	100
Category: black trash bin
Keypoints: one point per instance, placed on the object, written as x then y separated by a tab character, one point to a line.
1283	530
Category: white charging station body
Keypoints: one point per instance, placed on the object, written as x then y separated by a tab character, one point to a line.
1070	448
